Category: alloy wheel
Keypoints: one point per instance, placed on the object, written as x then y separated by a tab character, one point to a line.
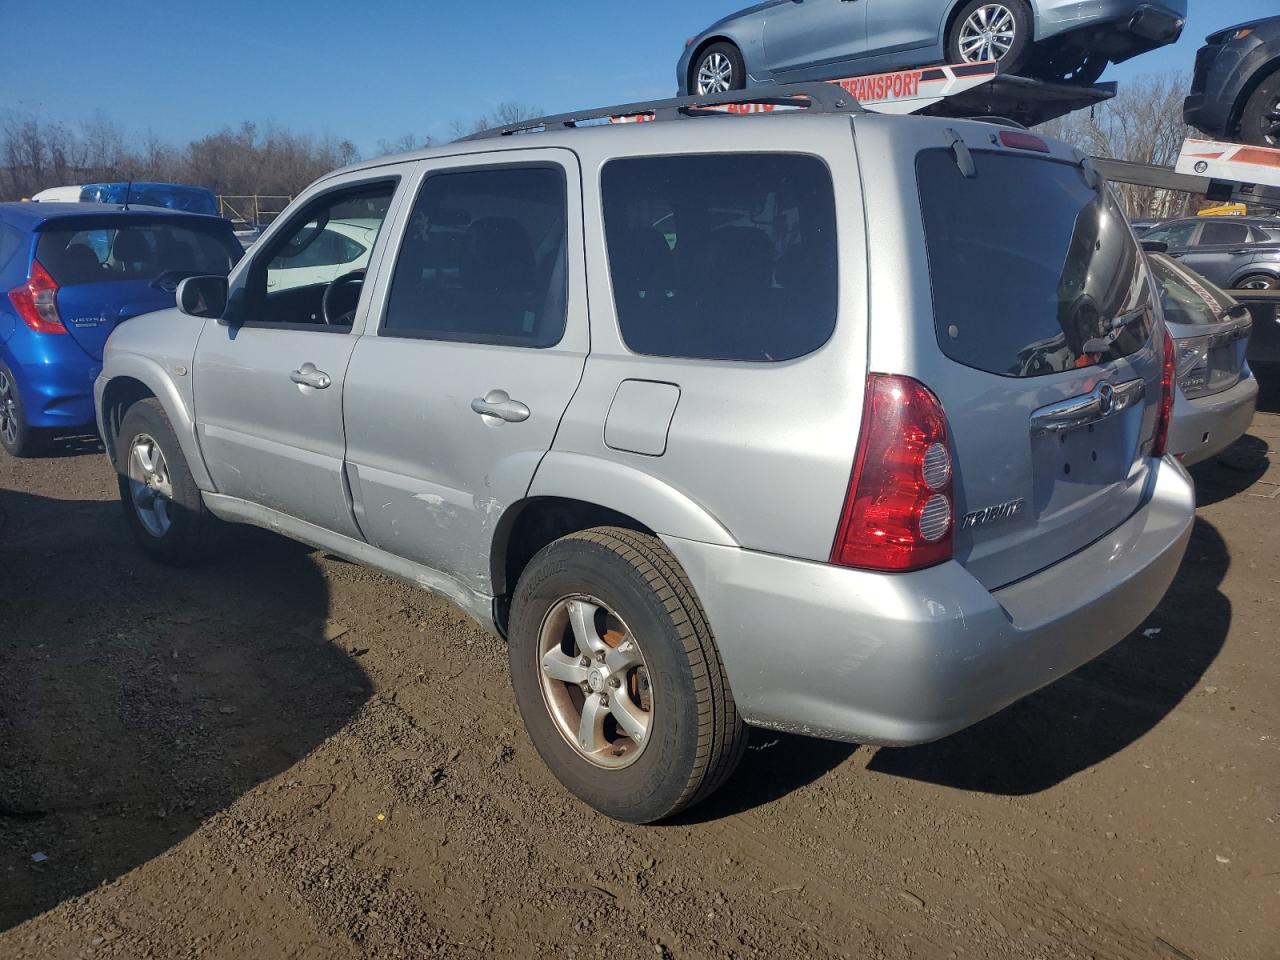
595	682
1259	283
9	422
988	33
1269	125
150	485
715	74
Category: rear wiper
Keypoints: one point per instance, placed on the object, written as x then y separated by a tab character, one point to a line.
1103	344
1235	312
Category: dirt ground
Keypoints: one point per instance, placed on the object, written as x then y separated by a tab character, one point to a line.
285	755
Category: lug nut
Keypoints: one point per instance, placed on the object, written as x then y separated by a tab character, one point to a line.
584	662
615	682
604	699
599	658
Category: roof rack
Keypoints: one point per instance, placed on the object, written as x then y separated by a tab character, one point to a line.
810	97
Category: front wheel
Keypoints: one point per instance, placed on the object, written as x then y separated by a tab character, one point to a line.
999	30
161	501
617	676
720	68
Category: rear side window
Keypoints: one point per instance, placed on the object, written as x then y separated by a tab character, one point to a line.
145	251
484	259
1033	271
1217	232
722	257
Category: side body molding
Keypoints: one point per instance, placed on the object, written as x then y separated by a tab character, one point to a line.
619	487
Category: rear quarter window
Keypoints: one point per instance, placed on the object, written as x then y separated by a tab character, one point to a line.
10	243
1033	271
724	256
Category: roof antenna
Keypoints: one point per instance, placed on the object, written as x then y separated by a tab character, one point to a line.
128	189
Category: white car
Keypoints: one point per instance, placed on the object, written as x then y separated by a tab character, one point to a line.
326	252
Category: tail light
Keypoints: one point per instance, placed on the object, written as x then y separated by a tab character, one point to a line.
37	301
899	513
1166	398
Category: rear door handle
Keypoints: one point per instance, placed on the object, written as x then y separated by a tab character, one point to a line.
499	405
308	376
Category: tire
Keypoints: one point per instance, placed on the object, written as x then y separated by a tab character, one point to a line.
1260	120
18	437
967	26
629	593
1066	65
722	61
1257	281
189	534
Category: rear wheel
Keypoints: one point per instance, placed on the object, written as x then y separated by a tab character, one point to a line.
161	501
16	435
1258	281
999	30
719	69
617	676
1260	121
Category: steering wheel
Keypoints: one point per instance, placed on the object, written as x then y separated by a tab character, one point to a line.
336	313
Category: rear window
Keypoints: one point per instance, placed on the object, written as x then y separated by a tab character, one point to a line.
1033	271
1187	297
722	257
144	251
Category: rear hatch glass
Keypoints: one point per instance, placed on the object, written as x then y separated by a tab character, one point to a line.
1041	291
109	270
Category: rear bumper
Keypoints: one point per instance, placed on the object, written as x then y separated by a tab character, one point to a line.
55	378
1204	427
843	654
1119	28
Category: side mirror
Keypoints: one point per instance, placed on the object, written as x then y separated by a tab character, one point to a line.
203	297
1154	246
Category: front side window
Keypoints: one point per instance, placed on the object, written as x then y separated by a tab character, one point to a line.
722	257
312	272
1176	235
1034	271
484	259
1215	233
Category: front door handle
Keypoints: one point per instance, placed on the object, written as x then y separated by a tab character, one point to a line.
308	376
499	405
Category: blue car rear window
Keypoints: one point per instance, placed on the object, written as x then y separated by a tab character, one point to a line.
143	252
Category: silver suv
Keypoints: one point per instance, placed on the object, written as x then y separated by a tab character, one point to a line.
822	421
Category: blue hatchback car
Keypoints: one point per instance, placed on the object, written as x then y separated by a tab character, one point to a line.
69	273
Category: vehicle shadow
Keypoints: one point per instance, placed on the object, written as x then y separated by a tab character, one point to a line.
775	765
1231	472
137	700
1097	711
1268	377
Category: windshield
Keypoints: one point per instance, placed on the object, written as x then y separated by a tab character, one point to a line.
1188	297
144	251
1034	272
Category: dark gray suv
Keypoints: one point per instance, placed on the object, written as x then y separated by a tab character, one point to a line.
1236	88
1236	253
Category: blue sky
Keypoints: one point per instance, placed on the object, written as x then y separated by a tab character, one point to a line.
374	70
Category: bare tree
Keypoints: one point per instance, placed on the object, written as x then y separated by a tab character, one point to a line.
1142	124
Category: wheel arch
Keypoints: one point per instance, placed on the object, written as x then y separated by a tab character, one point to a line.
573	492
1256	79
701	48
1253	270
135	378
